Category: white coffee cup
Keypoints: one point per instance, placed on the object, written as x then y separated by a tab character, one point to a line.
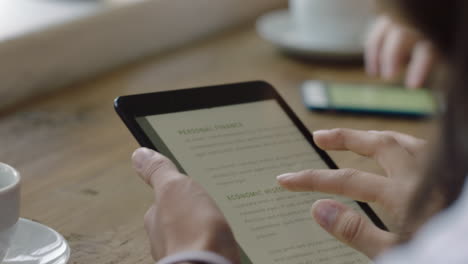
332	22
9	206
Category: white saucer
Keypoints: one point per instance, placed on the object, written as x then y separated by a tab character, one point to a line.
278	28
34	243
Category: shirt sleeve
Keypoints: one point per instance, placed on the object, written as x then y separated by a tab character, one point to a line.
443	239
202	257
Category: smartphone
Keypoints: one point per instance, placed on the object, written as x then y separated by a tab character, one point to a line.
362	98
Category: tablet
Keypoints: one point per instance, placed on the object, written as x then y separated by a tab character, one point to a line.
234	140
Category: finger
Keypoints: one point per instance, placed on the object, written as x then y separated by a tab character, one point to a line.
420	66
412	144
383	148
395	52
374	44
154	168
357	185
352	228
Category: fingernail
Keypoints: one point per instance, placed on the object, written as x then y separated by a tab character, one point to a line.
370	70
140	156
326	215
283	177
320	132
412	82
387	73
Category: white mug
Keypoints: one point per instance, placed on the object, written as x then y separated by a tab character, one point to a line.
334	22
9	206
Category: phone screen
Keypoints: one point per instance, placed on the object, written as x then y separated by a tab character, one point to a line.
235	152
380	97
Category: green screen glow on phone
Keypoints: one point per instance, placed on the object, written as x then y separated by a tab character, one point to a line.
377	97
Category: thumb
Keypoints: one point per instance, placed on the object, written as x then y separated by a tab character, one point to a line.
154	168
352	228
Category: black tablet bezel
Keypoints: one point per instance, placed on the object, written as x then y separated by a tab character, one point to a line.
130	107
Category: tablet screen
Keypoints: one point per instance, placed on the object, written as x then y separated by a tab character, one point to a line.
235	152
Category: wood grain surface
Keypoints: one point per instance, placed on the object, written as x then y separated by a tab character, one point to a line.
74	153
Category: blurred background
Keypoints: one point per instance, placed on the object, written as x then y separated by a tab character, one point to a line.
47	44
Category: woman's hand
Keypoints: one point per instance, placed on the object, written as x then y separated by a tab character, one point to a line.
183	216
402	158
390	47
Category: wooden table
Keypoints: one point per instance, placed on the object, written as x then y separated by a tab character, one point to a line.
74	153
